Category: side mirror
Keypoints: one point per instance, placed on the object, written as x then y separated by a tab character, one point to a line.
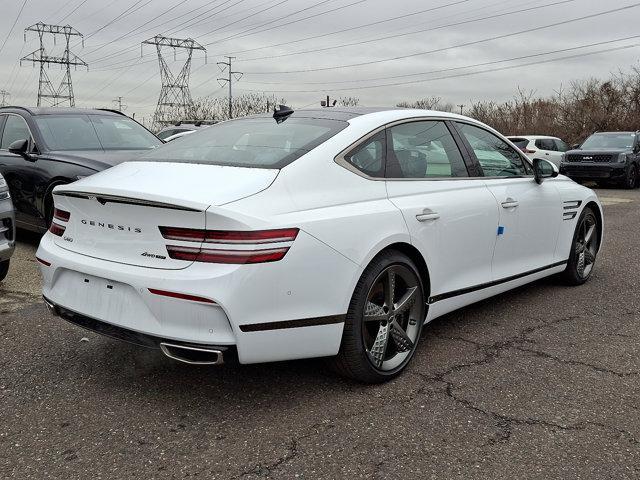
544	169
575	146
21	147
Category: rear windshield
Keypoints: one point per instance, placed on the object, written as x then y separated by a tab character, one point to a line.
250	142
94	132
521	143
623	140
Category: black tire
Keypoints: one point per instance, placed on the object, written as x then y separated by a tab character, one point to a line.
583	257
631	181
402	328
4	269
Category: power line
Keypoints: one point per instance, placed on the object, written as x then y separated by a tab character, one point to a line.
450	69
280	25
465	44
460	75
171	31
423	30
13	25
313	37
72	11
258	12
176	5
255	26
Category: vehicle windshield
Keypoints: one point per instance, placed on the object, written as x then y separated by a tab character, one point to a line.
94	132
601	141
249	142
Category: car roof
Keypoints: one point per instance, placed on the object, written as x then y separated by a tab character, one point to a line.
532	137
59	111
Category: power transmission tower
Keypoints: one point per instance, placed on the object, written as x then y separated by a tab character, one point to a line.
175	98
4	95
118	102
64	93
238	75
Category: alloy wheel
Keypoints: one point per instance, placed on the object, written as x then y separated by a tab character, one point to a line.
586	245
392	315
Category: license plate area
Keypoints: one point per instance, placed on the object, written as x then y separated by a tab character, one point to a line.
100	298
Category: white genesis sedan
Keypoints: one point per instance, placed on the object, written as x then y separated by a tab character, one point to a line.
315	233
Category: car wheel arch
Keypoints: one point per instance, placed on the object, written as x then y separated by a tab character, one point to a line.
598	213
47	199
416	257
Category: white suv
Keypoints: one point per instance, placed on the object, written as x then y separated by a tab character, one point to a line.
538	146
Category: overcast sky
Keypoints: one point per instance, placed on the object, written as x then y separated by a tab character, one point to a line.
271	40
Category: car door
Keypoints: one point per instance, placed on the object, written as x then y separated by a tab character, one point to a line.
530	214
548	150
451	217
19	172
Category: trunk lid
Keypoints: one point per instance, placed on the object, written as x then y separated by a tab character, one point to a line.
115	215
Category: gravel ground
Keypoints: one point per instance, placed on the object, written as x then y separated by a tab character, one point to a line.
541	382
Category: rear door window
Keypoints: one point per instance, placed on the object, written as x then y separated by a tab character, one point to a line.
424	149
546	144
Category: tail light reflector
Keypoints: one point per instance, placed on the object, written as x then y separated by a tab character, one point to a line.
43	262
57	229
230	236
226	256
181	296
61	215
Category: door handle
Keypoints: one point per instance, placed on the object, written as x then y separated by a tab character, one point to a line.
510	203
426	215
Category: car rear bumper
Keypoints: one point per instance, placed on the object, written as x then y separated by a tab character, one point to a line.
7	229
283	310
594	171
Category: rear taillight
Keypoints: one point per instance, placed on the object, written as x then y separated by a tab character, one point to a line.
61	215
229	237
56	229
226	256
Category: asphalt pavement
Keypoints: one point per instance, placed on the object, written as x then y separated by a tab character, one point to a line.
541	382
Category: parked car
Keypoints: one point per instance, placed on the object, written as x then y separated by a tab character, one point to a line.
44	147
315	233
608	158
182	127
178	135
7	229
549	148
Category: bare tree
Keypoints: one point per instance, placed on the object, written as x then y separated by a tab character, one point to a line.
572	113
428	103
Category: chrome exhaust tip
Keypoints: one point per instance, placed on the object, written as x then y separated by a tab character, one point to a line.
192	355
50	307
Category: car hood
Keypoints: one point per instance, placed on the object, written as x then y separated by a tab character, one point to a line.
95	159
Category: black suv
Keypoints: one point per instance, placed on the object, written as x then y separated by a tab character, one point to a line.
606	158
44	147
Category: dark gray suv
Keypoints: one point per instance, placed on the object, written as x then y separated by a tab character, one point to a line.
608	158
7	228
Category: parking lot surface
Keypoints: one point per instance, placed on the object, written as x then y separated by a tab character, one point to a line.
541	382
